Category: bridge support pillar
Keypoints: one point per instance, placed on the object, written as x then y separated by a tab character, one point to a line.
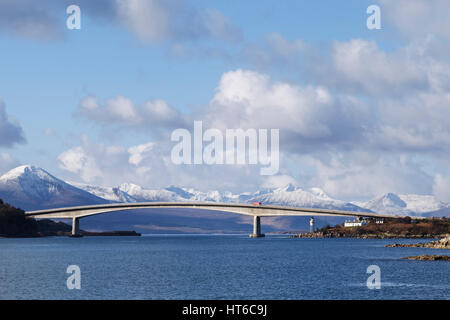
76	228
256	228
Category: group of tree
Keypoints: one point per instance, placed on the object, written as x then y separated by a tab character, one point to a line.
14	223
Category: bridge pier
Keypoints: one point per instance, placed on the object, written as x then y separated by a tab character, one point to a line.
76	228
256	228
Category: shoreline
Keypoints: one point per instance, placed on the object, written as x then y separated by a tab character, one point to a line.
365	236
118	233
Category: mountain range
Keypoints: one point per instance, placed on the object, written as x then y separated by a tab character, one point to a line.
32	188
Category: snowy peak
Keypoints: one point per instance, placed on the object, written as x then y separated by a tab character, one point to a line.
147	195
28	172
407	204
34	182
387	201
319	193
110	194
130	188
30	187
296	197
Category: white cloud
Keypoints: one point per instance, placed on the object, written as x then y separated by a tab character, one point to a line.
279	181
29	20
418	18
308	117
441	188
11	132
249	99
77	161
344	140
7	162
122	111
360	65
218	26
150	20
49	132
365	174
137	153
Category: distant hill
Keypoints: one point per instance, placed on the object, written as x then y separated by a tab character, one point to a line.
32	188
407	204
14	223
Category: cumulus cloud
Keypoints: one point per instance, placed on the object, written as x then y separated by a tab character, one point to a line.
361	66
355	145
405	90
279	181
77	161
441	188
122	111
138	153
363	174
349	144
11	132
149	165
275	51
418	18
305	115
98	163
7	162
29	19
151	21
154	21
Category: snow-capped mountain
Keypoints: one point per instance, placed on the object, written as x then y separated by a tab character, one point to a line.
407	204
296	197
32	188
107	193
286	196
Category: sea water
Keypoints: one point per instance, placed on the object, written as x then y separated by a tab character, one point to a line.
217	267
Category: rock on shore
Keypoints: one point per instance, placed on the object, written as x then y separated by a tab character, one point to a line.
426	257
441	244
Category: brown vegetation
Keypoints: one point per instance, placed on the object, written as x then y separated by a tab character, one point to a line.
391	228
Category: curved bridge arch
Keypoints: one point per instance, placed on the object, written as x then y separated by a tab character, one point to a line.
257	211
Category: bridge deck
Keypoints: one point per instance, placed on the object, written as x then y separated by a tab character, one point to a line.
245	209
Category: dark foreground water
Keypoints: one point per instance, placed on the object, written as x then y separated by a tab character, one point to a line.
217	267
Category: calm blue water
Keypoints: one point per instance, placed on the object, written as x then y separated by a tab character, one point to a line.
216	267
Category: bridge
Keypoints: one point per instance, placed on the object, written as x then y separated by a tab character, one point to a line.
256	211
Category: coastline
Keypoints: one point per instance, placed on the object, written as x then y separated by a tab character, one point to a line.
321	235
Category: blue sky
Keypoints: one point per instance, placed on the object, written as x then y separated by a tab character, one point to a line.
47	71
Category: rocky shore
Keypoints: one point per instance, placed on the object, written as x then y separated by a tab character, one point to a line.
385	235
440	244
401	228
426	257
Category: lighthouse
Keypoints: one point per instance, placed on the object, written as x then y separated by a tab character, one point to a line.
311	225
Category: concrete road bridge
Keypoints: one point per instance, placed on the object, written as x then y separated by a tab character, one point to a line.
255	210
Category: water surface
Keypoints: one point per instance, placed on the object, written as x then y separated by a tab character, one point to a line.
217	267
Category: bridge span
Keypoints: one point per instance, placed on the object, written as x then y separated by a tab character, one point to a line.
257	211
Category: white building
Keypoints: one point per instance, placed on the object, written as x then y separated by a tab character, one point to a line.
354	223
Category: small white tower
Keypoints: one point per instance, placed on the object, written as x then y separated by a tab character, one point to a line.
311	225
